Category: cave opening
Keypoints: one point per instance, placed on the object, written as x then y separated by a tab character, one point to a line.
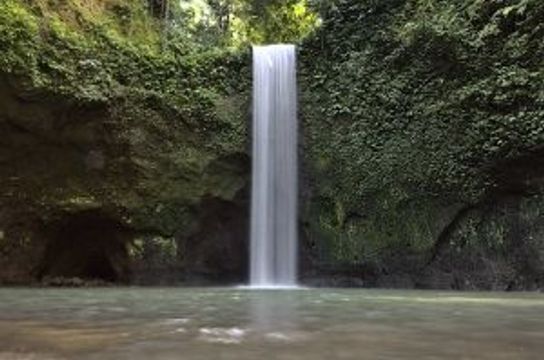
88	245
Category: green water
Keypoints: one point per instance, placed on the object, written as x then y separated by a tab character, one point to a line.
188	323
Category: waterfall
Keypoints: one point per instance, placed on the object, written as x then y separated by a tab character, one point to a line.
274	187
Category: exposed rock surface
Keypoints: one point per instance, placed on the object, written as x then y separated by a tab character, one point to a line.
116	157
80	187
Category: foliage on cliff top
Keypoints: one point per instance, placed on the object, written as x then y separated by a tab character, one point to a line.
97	51
106	43
240	23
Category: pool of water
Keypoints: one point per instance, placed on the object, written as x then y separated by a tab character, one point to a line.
191	323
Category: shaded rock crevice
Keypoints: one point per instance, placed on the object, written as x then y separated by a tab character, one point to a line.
216	249
498	243
86	245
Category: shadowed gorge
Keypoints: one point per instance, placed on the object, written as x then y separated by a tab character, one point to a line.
271	179
421	132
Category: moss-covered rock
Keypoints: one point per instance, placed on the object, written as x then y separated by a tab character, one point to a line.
414	111
96	116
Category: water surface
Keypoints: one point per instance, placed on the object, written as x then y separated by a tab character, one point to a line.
189	323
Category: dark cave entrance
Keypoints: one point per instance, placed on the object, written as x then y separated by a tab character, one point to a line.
87	245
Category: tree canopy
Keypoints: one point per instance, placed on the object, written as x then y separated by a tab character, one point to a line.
235	23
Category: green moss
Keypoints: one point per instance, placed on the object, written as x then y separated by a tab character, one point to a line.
174	121
18	36
411	106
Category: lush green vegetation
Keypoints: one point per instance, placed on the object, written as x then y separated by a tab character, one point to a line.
411	110
167	126
239	23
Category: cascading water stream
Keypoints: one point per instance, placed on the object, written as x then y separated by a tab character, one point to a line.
274	188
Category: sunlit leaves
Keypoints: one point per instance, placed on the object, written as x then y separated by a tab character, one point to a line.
239	23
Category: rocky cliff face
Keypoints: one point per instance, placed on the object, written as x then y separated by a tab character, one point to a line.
424	130
116	158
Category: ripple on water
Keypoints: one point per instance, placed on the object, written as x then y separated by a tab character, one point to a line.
176	321
26	356
278	336
233	335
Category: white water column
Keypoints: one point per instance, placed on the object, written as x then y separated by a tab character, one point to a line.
274	187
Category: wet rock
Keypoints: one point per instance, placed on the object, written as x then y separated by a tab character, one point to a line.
82	181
